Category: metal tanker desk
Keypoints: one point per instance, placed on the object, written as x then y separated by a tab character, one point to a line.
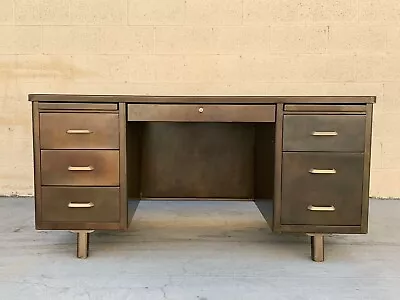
304	161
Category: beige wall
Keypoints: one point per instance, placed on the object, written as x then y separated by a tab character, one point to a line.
267	47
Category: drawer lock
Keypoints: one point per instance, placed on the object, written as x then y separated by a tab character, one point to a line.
80	205
321	208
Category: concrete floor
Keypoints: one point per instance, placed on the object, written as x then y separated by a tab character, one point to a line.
200	251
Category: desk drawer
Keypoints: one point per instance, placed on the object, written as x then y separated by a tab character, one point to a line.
201	113
80	167
324	133
80	204
322	188
79	131
77	106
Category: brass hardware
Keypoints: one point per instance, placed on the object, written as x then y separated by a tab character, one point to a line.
324	133
322	171
321	208
79	131
88	168
201	110
80	205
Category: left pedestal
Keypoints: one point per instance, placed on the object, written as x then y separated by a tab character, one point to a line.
80	168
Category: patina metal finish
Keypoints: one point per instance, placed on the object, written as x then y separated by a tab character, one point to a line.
304	161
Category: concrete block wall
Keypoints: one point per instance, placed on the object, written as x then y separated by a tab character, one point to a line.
254	47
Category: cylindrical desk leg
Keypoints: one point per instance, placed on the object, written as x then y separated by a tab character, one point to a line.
82	245
317	247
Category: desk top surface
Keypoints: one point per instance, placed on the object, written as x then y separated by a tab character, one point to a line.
225	99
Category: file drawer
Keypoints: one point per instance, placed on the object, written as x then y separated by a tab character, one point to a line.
80	204
79	130
322	188
332	133
80	167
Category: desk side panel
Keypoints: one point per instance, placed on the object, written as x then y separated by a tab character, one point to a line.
265	164
36	164
123	167
278	168
132	170
367	169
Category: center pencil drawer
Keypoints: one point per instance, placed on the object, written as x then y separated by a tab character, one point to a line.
201	113
80	204
79	130
80	167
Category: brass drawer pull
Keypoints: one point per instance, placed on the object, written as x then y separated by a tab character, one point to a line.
80	205
321	208
88	168
322	171
79	131
324	133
